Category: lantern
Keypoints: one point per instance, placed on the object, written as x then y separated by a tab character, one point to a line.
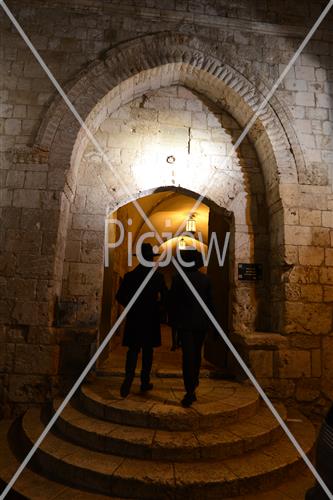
191	225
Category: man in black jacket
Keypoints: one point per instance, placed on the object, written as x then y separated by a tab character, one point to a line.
190	319
142	327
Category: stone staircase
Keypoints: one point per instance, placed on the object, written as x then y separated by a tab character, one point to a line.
227	445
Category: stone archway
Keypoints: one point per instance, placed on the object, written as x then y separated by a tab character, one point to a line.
171	59
105	84
238	189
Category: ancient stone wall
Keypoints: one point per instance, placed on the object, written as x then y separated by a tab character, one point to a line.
231	53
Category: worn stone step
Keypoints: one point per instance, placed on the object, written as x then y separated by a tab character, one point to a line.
36	487
128	477
139	442
291	489
219	402
31	485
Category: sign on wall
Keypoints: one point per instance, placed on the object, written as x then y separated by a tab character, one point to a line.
250	272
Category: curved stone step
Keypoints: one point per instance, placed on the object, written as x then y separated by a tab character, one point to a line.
219	402
31	485
128	477
139	442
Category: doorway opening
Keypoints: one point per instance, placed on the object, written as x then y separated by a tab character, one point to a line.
167	208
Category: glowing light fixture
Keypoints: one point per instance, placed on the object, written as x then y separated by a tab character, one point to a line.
191	225
181	244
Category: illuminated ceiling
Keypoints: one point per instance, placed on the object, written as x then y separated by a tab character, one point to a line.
167	210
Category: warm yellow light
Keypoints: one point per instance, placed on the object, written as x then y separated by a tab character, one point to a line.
191	226
182	244
172	243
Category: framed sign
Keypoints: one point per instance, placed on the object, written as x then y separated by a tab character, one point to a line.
250	272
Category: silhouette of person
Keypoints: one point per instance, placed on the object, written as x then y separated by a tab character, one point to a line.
175	340
142	327
190	319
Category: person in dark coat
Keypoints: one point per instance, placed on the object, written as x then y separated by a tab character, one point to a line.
142	327
190	319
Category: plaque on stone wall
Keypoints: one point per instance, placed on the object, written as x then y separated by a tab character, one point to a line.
250	272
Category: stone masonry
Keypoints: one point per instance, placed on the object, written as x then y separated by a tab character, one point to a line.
196	71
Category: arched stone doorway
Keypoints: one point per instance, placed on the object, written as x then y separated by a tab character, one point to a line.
139	137
167	208
203	75
255	189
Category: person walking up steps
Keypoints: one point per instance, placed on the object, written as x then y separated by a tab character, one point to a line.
190	319
142	327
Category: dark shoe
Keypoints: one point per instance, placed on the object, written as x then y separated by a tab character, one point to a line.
125	388
188	399
146	387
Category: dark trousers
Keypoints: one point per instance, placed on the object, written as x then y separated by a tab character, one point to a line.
191	343
175	338
131	362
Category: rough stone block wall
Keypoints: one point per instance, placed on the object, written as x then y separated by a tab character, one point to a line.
257	40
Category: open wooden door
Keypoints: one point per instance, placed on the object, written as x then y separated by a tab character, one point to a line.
215	350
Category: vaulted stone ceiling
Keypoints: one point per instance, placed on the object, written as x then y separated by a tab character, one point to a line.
169	210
